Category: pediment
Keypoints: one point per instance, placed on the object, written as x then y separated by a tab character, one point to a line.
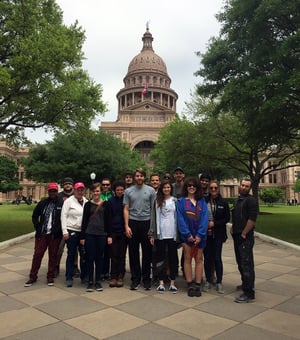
146	106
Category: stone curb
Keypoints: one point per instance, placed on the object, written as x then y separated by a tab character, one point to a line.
276	241
16	240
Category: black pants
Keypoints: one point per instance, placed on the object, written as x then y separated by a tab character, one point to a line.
139	237
243	249
117	255
166	250
213	256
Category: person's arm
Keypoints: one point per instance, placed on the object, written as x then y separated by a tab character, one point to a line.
63	219
183	228
128	230
203	221
252	207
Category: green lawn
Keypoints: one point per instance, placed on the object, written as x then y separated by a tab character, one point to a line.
282	222
15	220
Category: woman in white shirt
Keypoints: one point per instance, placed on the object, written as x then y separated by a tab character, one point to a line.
163	234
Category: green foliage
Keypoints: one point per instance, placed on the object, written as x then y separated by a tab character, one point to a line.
271	195
79	153
42	83
8	179
296	186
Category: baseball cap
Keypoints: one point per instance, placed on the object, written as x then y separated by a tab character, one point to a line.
52	186
79	185
179	168
67	180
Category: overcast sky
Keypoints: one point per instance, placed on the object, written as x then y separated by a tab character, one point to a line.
114	30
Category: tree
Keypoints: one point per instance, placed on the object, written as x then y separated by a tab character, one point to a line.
42	83
79	153
8	179
296	186
252	73
271	195
189	144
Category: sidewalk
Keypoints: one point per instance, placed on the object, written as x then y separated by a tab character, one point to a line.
42	312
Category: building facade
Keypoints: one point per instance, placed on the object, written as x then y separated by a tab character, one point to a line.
146	103
30	188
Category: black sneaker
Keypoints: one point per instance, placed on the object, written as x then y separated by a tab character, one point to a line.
147	286
98	287
29	283
191	291
76	273
134	286
50	282
90	287
197	291
243	298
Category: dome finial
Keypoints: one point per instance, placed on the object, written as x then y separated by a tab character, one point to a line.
147	25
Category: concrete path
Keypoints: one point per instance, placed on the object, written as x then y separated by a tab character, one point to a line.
42	312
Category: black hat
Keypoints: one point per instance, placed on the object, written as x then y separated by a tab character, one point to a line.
67	180
205	176
179	168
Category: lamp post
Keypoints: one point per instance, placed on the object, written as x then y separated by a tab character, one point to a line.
92	176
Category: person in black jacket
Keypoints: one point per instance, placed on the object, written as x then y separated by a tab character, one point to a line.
46	221
219	215
117	240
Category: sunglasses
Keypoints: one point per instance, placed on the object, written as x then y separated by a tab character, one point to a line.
167	177
191	186
213	188
105	185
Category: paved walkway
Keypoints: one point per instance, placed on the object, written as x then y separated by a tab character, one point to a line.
42	312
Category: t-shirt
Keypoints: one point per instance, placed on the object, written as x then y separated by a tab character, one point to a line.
139	200
167	222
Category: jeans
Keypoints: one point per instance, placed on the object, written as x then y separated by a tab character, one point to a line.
140	231
94	247
243	249
40	247
73	245
117	253
213	256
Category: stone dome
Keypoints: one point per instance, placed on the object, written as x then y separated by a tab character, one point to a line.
147	60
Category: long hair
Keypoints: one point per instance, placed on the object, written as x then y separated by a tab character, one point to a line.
195	181
160	197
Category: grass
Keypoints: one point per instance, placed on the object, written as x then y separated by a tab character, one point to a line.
15	220
281	222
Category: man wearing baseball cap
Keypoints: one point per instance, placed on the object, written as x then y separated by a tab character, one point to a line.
71	218
46	221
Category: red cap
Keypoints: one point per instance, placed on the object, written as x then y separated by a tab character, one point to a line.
52	186
79	185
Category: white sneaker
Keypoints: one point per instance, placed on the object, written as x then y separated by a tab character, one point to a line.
219	288
173	289
161	289
206	286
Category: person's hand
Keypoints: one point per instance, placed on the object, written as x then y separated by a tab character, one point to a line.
151	239
109	240
128	232
197	240
191	239
66	236
211	224
82	242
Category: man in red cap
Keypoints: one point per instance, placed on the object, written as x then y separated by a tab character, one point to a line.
46	221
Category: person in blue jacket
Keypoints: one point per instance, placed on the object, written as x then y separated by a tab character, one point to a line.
192	220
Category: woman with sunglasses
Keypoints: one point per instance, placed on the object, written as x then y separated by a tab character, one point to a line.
216	235
192	217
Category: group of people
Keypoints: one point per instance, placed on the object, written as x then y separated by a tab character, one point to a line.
158	219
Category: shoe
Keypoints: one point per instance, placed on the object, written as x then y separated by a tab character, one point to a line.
219	288
191	291
56	272
76	273
206	286
214	280
90	287
50	282
147	286
29	283
243	298
161	289
69	283
84	281
98	287
120	283
173	289
239	287
134	286
113	283
197	291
